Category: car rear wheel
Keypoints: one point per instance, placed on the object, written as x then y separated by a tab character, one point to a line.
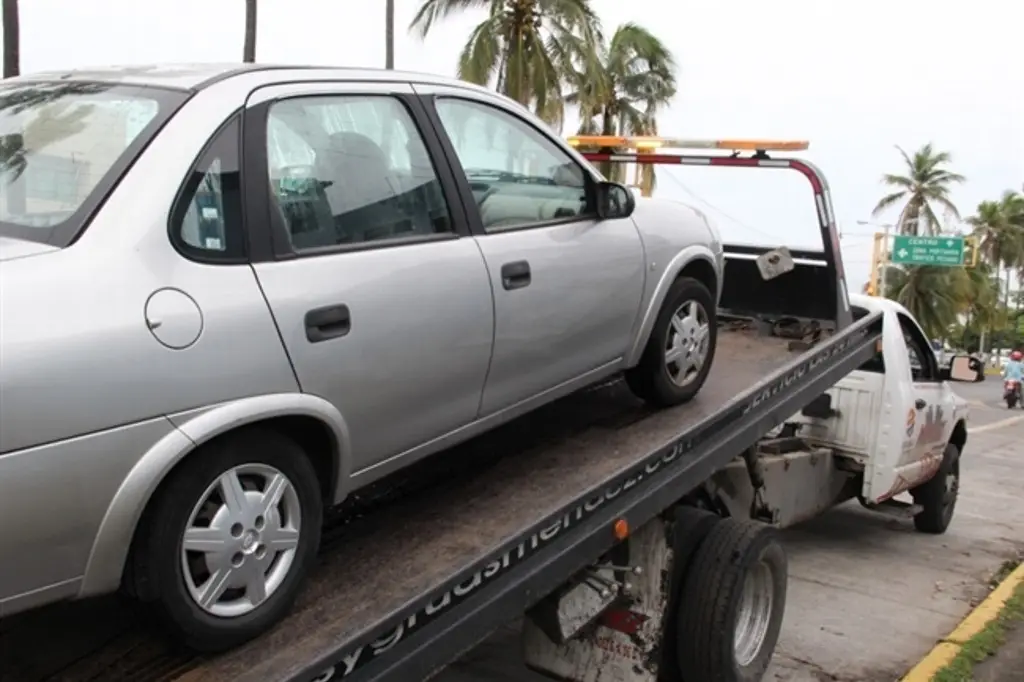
229	539
681	347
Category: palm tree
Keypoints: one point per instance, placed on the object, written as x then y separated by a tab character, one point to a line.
389	34
620	91
981	300
12	39
933	295
1000	236
249	49
1013	206
526	48
926	182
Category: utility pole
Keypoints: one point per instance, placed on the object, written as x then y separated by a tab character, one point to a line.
882	259
389	34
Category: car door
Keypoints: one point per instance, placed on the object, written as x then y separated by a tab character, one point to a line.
928	418
567	286
381	296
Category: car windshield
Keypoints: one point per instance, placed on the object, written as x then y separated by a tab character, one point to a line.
63	146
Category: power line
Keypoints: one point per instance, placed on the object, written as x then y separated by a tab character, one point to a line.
865	236
718	210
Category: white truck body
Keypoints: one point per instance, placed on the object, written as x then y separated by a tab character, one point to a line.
895	416
882	430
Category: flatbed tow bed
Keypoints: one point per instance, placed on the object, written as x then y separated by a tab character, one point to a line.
430	577
413	585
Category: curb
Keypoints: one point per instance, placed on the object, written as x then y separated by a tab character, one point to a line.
983	614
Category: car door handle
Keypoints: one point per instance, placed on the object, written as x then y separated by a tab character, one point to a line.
330	322
920	404
515	275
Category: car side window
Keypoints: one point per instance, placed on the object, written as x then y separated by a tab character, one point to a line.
350	169
519	178
923	365
206	222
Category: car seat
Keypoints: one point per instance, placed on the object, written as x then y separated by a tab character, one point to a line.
363	195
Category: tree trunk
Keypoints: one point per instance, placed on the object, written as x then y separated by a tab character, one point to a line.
389	34
12	39
909	222
607	117
249	50
1006	293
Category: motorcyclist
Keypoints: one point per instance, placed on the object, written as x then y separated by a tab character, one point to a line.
1014	368
1014	371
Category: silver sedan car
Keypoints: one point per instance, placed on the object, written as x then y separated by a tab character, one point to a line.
230	296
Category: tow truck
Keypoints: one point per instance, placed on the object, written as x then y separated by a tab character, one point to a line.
641	546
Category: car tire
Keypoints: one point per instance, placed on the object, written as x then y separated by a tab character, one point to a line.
231	535
732	604
938	495
656	379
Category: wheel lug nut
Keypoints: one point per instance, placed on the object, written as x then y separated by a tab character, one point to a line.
237	559
236	530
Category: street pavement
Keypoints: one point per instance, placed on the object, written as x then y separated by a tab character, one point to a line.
868	596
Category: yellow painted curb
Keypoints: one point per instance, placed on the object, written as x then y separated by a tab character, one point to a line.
983	614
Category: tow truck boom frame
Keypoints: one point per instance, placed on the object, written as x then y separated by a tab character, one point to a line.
645	150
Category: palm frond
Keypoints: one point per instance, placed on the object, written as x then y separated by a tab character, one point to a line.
433	10
925	184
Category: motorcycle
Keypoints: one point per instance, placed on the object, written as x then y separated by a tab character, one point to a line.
1012	393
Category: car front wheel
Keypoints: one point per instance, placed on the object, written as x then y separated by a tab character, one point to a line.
229	539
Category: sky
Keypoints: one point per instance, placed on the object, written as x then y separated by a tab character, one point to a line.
853	78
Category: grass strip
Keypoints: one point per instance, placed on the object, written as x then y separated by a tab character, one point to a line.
987	642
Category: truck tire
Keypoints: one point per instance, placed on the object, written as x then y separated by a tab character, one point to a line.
663	381
732	604
938	495
690	526
262	548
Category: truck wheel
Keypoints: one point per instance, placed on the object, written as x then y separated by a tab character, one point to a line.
681	347
690	526
732	604
938	495
228	541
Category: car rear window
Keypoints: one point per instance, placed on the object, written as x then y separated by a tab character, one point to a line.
64	145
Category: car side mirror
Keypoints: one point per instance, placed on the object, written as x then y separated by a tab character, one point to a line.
963	368
613	200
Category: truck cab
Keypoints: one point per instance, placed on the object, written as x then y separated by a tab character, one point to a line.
897	413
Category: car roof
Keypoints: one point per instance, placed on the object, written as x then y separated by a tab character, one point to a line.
875	304
198	76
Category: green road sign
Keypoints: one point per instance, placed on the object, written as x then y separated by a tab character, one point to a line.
928	250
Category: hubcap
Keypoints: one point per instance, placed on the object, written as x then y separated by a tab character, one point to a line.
755	613
687	342
241	539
